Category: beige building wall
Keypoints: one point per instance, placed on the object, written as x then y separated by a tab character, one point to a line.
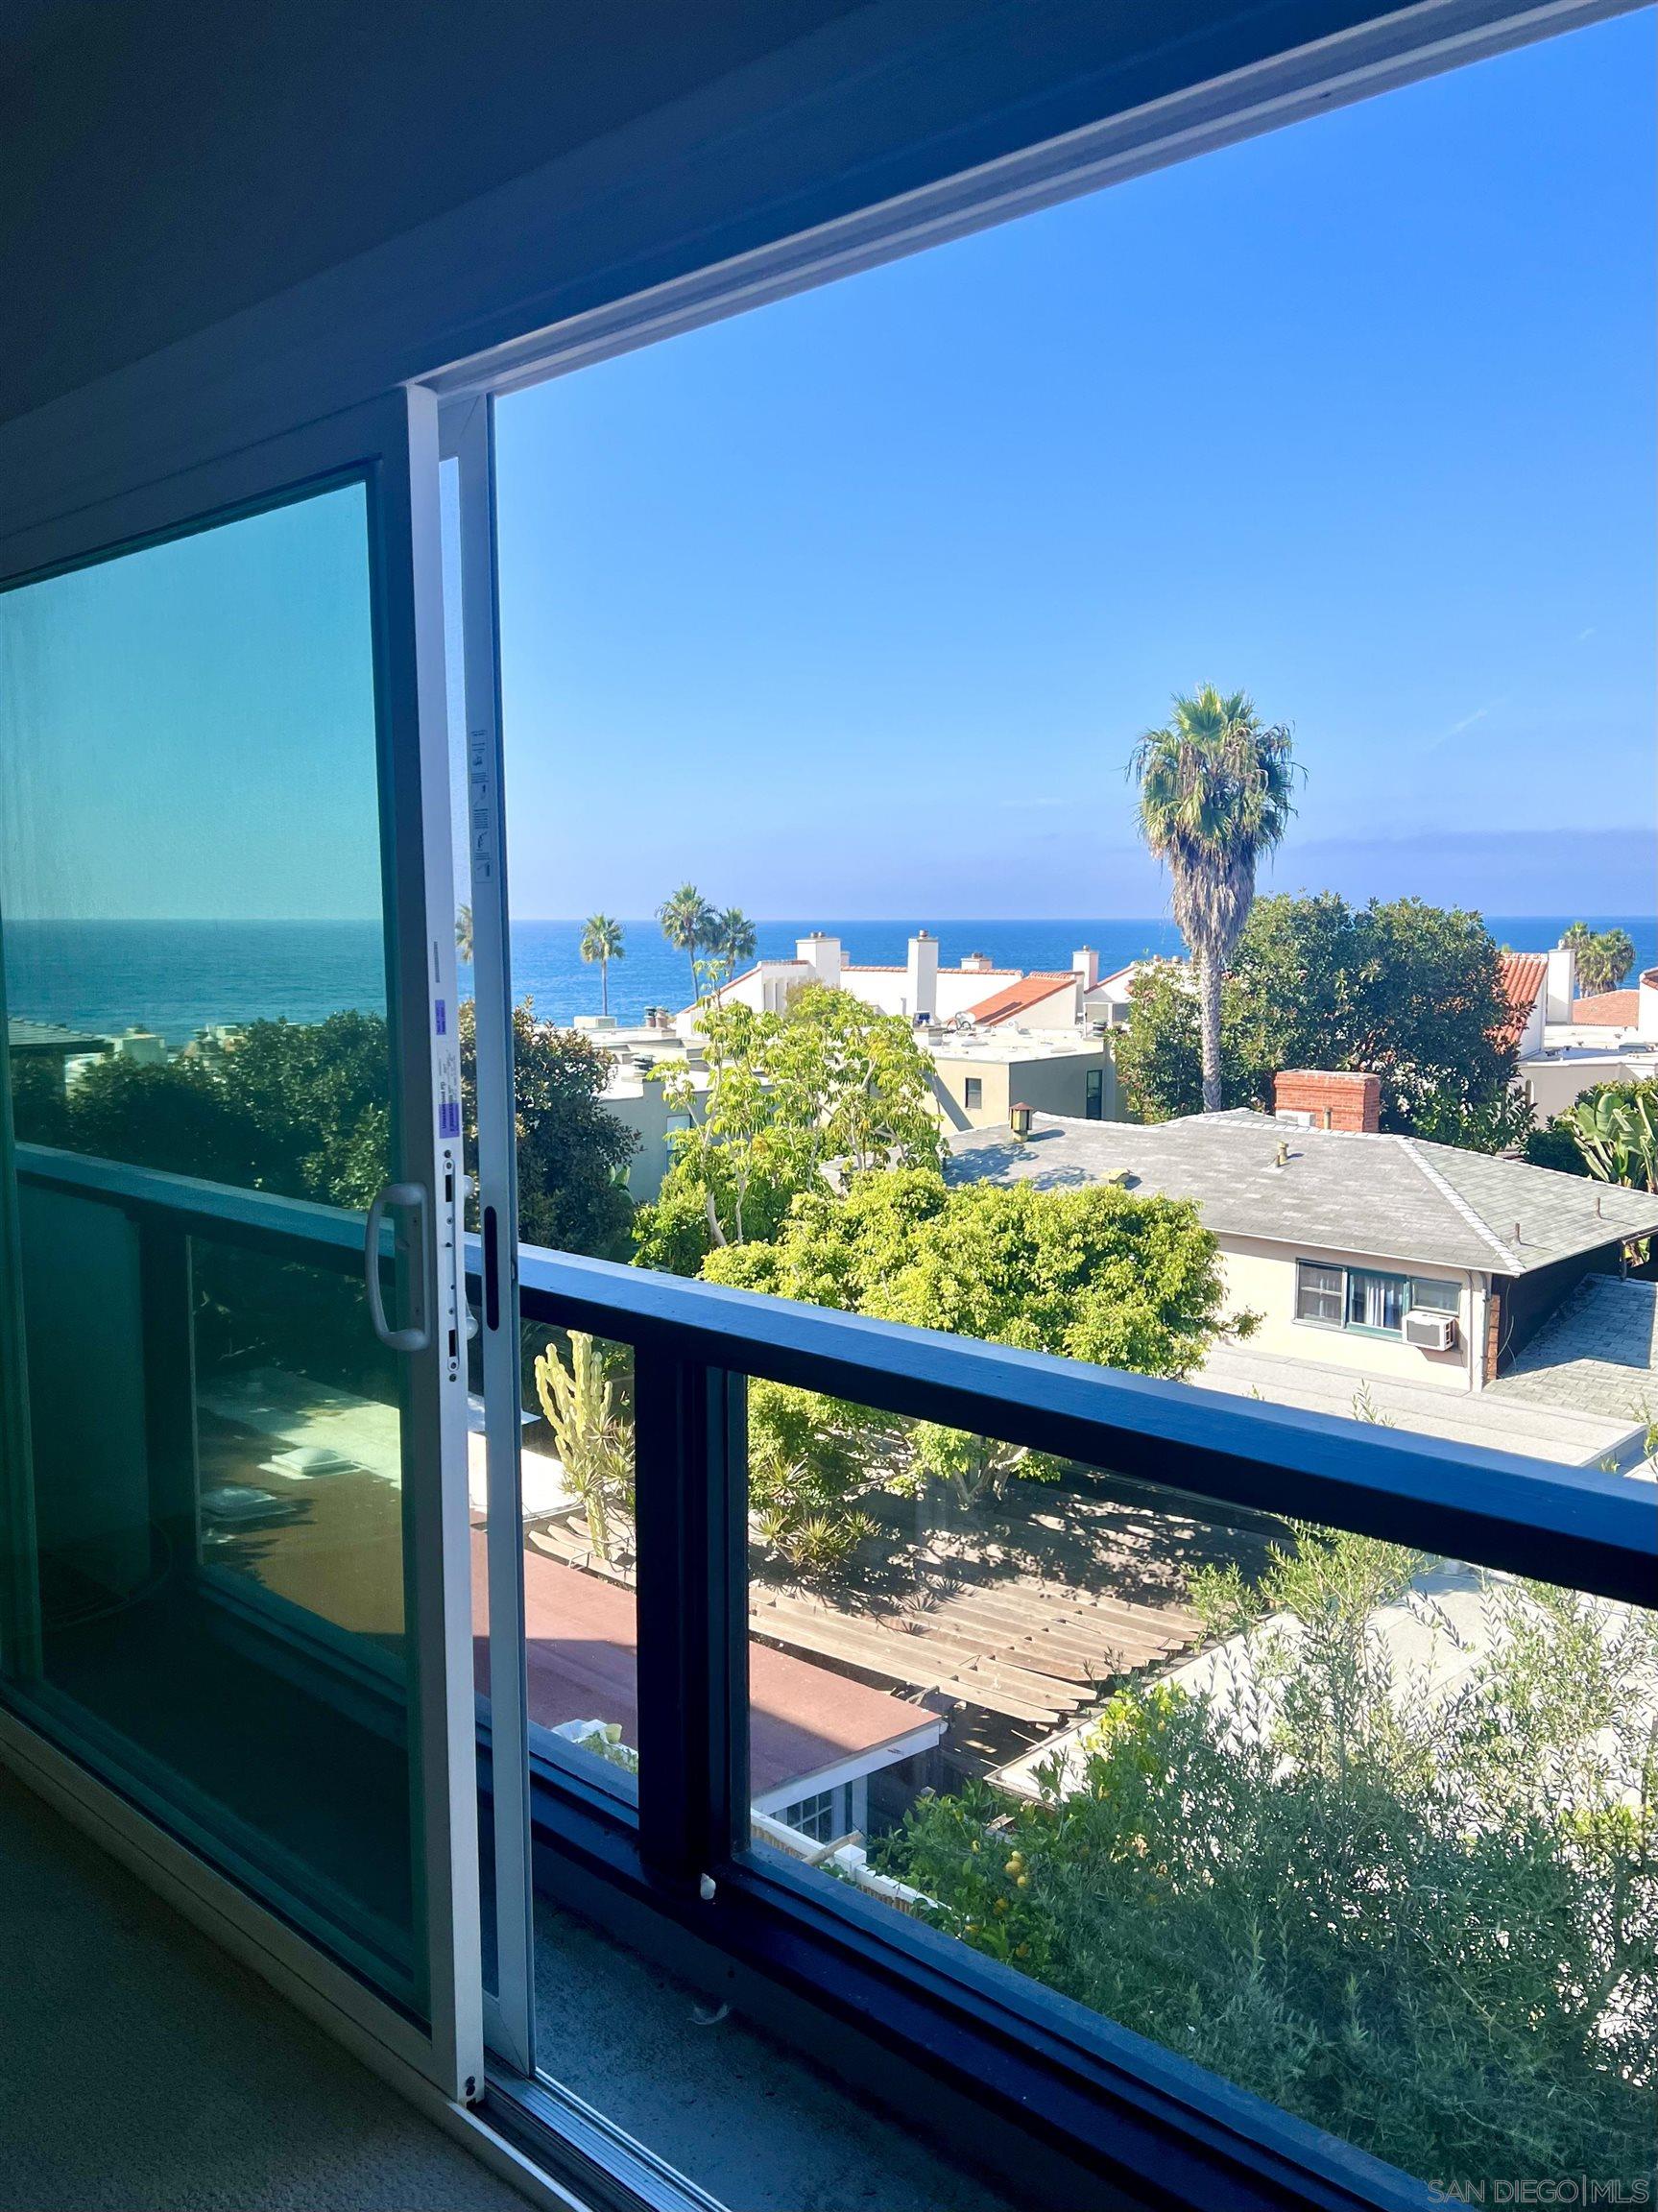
950	1086
644	1109
1261	1279
1049	1083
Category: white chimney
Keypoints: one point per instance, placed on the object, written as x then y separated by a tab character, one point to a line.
822	954
921	986
977	963
1085	961
1560	985
1647	1007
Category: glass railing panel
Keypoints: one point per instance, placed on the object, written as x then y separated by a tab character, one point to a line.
1368	1832
581	1617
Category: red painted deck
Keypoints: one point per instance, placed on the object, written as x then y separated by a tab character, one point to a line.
581	1635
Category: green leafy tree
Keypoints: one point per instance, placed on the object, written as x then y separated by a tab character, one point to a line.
1605	957
464	933
1426	1922
686	921
1100	1273
1409	992
317	1098
304	1108
572	1153
1214	785
1096	1274
301	1109
827	1086
604	940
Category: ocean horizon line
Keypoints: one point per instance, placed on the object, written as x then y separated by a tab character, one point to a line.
764	921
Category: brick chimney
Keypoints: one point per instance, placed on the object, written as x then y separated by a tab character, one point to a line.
1323	1098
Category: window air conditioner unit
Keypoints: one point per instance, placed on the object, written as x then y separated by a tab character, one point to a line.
1430	1332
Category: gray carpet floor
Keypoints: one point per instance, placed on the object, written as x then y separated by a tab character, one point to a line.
141	2070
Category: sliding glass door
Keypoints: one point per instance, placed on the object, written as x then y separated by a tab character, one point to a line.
234	1506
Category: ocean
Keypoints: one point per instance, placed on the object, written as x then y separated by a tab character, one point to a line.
177	977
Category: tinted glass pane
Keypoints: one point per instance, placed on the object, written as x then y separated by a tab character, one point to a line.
207	1532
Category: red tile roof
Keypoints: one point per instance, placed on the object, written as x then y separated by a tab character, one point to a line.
581	1634
1523	977
1608	1010
1018	998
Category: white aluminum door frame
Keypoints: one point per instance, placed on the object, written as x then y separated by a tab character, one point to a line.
467	431
391	444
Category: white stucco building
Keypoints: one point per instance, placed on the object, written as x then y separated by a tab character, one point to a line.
1569	1041
923	989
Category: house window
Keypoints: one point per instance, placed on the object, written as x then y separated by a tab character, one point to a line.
1318	1293
813	1816
1364	1298
1376	1301
1094	1107
973	1091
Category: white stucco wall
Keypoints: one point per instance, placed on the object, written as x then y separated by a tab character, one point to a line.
1261	1277
1552	1085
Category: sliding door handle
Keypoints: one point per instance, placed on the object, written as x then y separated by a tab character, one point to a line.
411	1198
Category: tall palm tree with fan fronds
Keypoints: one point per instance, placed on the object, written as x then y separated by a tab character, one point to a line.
687	920
1214	785
733	939
603	940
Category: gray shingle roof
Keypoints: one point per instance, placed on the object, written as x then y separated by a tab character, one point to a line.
1394	1197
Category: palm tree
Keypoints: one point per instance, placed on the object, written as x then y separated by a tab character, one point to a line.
1604	958
464	933
1213	797
733	939
602	940
687	923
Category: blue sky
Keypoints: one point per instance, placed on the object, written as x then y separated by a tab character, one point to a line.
854	605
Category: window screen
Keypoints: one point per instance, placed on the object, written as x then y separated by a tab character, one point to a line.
1318	1293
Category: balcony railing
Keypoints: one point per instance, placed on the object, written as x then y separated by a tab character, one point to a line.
680	1866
